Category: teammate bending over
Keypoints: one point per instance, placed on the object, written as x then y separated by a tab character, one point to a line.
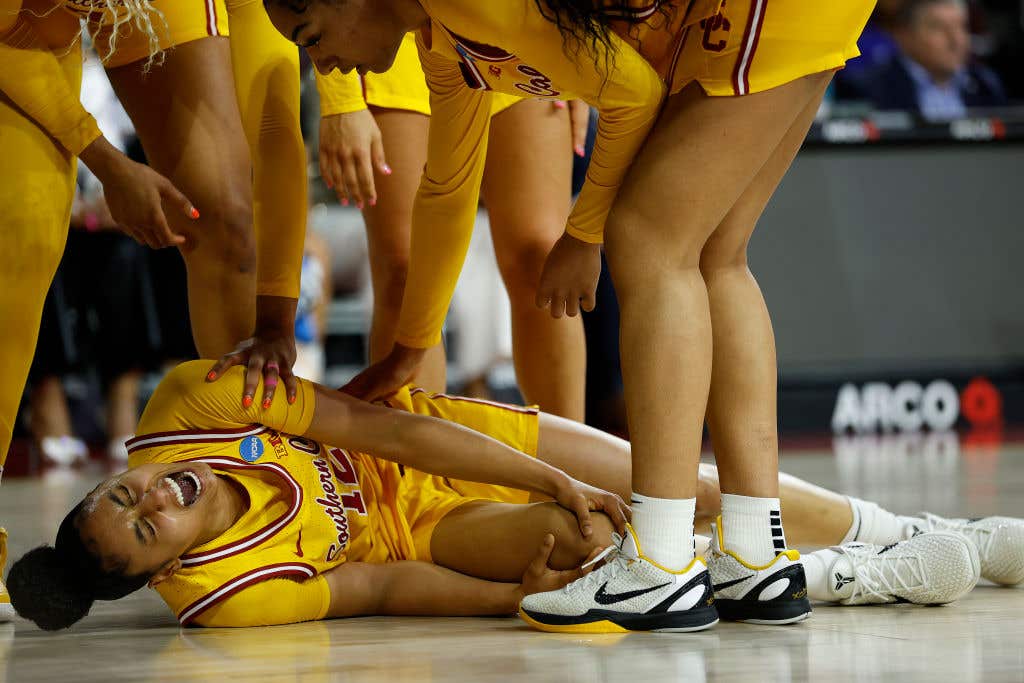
238	517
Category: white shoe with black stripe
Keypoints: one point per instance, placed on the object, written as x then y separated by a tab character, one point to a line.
775	593
628	593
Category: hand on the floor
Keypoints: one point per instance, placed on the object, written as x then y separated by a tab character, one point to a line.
539	577
386	376
350	148
580	499
271	356
569	279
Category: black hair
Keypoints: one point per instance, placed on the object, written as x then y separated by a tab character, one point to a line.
911	10
56	586
588	24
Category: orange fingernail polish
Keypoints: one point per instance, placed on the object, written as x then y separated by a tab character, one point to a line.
373	202
211	375
266	403
387	170
580	151
194	213
291	399
247	401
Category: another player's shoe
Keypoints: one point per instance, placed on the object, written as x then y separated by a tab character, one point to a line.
6	610
775	593
628	593
1000	543
932	568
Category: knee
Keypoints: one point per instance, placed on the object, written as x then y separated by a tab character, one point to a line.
720	257
521	264
571	548
228	236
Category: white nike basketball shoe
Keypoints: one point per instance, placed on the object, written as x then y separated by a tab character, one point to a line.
628	593
1000	543
775	593
929	569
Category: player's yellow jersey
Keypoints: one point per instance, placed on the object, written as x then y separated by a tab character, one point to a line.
311	506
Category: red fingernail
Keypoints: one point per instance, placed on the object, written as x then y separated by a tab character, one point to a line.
579	150
559	104
344	202
387	170
194	213
291	399
211	375
266	403
359	204
247	401
373	202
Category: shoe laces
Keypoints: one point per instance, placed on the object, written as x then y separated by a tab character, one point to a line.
881	575
614	560
980	536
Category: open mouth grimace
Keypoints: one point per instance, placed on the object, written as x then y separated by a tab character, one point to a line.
186	487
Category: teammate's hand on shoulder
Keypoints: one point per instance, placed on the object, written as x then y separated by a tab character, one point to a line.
386	376
580	499
539	577
269	353
569	279
350	150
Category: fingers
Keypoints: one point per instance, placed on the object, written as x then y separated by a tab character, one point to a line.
572	306
377	154
367	185
589	301
252	380
291	385
540	560
579	115
220	367
173	196
616	511
271	377
581	507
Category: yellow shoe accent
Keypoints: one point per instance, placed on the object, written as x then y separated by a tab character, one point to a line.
791	553
591	627
6	609
640	552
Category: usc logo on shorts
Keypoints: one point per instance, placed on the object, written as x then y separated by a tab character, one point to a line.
717	24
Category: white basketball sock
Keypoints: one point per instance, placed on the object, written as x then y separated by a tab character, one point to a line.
752	527
874	524
665	529
829	575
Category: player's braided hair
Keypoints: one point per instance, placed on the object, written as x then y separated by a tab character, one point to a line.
56	586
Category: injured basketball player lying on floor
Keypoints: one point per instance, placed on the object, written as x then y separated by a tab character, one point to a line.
239	516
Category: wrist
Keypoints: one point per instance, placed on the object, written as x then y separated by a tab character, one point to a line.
407	356
275	315
102	158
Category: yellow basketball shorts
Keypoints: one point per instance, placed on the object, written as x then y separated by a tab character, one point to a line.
404	86
178	22
424	499
756	45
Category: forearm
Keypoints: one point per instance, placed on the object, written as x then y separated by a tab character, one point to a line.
412	588
427	444
36	82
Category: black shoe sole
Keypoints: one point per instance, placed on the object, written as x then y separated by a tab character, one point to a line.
607	621
758	612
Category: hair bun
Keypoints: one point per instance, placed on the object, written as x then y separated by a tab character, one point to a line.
46	589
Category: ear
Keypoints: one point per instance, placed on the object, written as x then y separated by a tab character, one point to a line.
165	572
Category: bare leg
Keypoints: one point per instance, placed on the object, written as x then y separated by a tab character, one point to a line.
50	416
655	236
187	118
388	229
549	354
123	404
814	516
496	541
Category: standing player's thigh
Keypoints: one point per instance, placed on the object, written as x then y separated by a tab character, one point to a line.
700	158
187	118
527	184
497	541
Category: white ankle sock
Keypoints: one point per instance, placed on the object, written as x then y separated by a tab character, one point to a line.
873	524
665	529
752	527
828	574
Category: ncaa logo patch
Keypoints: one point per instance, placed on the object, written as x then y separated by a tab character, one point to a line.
251	448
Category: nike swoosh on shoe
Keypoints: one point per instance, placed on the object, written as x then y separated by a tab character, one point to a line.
603	598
